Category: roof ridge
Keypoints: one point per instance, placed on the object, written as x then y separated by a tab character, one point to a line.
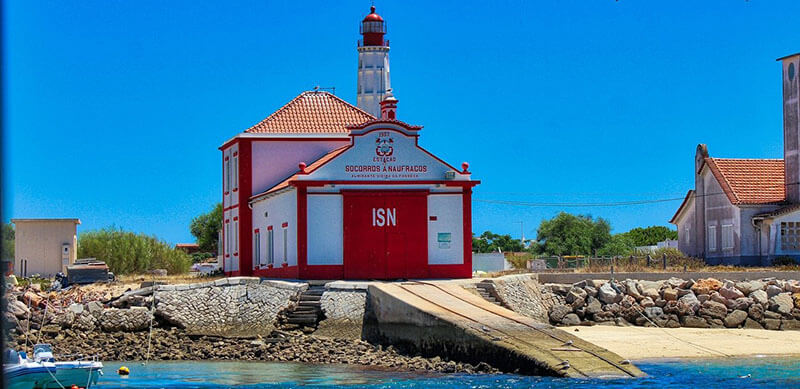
326	113
748	159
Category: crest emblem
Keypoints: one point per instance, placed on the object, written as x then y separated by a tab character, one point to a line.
383	146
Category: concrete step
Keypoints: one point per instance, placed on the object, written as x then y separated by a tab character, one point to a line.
305	297
311	321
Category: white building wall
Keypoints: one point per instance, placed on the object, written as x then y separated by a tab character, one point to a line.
373	78
719	212
273	161
275	211
686	230
325	230
38	246
449	225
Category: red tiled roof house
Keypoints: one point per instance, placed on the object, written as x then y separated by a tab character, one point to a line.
322	189
747	211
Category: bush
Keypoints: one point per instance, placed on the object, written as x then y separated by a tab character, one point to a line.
127	252
784	261
201	257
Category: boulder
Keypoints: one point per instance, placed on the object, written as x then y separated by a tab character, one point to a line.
591	291
661	303
694	322
715	323
577	303
714	310
561	289
703	298
706	286
796	298
647	302
742	303
760	297
792	286
781	303
608	295
747	287
674	282
735	318
772	324
790	324
670	294
771	314
684	292
752	324
19	309
645	285
632	289
613	308
773	290
76	308
593	306
730	293
571	319
575	294
652	293
691	300
558	312
654	313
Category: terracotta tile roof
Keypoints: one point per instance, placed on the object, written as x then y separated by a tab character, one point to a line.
310	168
312	112
750	181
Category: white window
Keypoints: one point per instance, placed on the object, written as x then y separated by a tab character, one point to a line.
227	184
790	236
727	236
235	237
270	247
235	173
285	245
712	238
257	247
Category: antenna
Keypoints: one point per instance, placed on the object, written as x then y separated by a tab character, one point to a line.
318	88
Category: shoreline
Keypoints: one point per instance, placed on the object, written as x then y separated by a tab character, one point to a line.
649	343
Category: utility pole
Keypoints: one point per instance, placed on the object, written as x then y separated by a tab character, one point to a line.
521	232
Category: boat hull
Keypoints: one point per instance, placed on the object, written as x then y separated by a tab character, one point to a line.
82	374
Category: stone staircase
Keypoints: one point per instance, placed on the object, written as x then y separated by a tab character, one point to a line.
307	312
485	289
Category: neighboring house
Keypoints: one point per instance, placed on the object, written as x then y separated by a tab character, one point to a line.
322	189
490	262
188	248
747	211
44	246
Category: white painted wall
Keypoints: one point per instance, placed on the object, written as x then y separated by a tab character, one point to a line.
686	229
38	243
274	161
449	214
279	209
325	230
489	262
373	78
718	212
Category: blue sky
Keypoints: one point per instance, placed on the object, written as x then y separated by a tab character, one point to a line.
114	109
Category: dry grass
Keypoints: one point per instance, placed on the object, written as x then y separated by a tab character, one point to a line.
171	279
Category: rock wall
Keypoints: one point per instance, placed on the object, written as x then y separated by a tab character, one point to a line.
706	303
233	307
522	294
343	304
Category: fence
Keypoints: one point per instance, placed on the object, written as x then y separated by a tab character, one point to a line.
617	264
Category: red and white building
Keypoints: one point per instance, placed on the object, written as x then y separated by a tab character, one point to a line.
322	189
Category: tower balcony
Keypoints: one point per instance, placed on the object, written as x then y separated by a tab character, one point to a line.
382	42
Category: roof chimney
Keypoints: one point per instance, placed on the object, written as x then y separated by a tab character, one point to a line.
389	106
791	126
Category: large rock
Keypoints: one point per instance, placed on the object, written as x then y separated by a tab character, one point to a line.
773	290
76	308
772	324
781	303
670	294
558	312
742	303
575	294
706	286
654	313
561	289
790	324
19	309
752	324
593	306
691	300
674	282
735	318
796	298
792	286
730	293
694	322
647	302
747	287
608	295
714	309
632	289
760	297
571	319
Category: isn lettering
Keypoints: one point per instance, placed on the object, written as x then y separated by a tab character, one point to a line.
384	217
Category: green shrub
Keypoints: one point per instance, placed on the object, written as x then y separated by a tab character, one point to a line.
127	252
784	261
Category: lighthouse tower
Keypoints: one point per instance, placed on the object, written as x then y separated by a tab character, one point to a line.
373	64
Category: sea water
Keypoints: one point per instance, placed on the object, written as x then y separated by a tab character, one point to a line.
755	372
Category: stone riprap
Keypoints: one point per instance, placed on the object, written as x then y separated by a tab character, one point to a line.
240	306
705	303
343	304
521	293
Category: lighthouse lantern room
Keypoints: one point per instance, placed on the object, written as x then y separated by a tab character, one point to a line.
322	189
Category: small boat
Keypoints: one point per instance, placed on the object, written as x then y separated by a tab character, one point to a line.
81	373
23	374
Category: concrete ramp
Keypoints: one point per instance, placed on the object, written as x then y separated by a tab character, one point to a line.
442	318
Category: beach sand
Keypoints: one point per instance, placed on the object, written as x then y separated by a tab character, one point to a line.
648	342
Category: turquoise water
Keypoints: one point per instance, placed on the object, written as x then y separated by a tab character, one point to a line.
722	373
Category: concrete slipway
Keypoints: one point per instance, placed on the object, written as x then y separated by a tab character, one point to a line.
438	318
